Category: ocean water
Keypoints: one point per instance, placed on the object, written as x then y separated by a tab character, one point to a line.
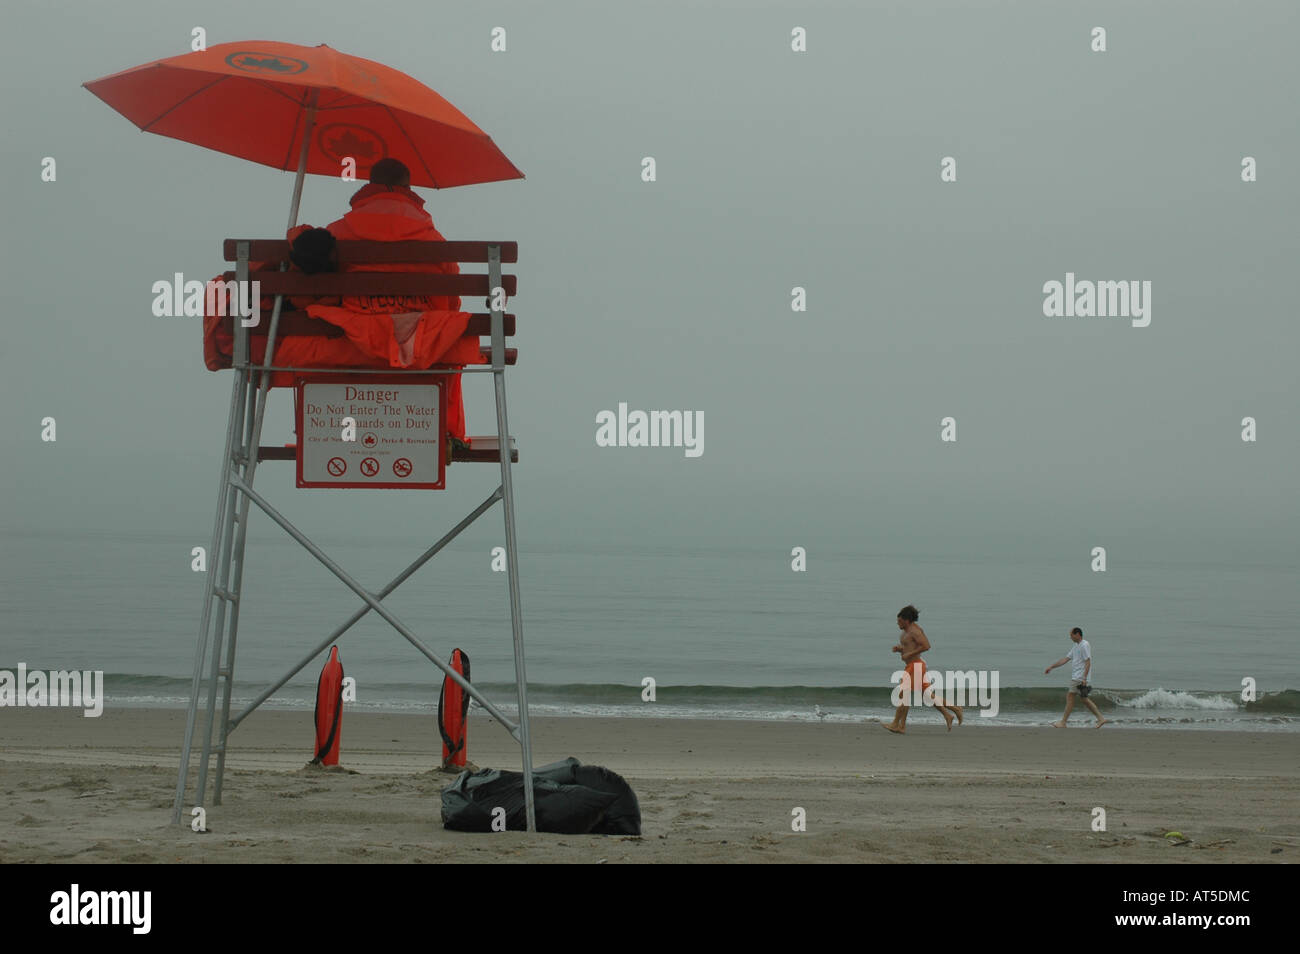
724	632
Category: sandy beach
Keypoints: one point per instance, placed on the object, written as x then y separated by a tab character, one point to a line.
100	790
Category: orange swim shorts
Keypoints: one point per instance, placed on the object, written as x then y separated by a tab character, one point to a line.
914	680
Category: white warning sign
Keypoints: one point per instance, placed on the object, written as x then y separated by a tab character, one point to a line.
394	437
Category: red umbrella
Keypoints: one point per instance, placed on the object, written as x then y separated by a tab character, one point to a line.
307	108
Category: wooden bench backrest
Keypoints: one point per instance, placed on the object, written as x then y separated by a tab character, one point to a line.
267	254
270	253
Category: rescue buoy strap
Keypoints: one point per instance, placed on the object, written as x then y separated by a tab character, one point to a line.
334	728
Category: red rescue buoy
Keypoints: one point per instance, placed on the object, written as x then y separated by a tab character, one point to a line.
453	709
329	710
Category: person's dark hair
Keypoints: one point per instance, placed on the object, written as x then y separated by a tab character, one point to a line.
1076	630
909	613
315	251
390	172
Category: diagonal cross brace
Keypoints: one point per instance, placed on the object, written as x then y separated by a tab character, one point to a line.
397	581
374	604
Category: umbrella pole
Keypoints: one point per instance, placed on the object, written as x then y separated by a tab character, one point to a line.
302	158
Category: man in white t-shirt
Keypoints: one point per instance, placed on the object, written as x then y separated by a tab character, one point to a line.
1080	660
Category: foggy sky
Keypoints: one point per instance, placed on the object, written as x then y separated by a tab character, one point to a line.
775	169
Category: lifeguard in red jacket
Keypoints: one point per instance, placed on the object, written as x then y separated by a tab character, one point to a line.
407	331
380	331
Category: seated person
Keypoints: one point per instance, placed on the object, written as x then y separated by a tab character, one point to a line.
314	250
417	330
399	331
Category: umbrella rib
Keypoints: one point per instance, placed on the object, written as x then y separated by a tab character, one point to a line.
402	129
275	88
343	105
299	100
176	105
339	101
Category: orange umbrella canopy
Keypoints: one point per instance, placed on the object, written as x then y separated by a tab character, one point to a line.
252	100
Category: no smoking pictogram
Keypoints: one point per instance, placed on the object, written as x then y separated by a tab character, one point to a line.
369	466
337	466
402	467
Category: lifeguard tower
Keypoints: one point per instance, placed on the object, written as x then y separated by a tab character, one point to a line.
268	101
324	458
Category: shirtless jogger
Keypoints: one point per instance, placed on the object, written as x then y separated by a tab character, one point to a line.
910	647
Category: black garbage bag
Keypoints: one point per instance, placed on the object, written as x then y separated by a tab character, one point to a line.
569	798
623	815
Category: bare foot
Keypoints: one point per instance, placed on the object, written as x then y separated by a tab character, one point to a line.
957	709
1059	725
893	728
1100	723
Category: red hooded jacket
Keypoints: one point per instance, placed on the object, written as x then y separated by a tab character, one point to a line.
380	331
419	331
